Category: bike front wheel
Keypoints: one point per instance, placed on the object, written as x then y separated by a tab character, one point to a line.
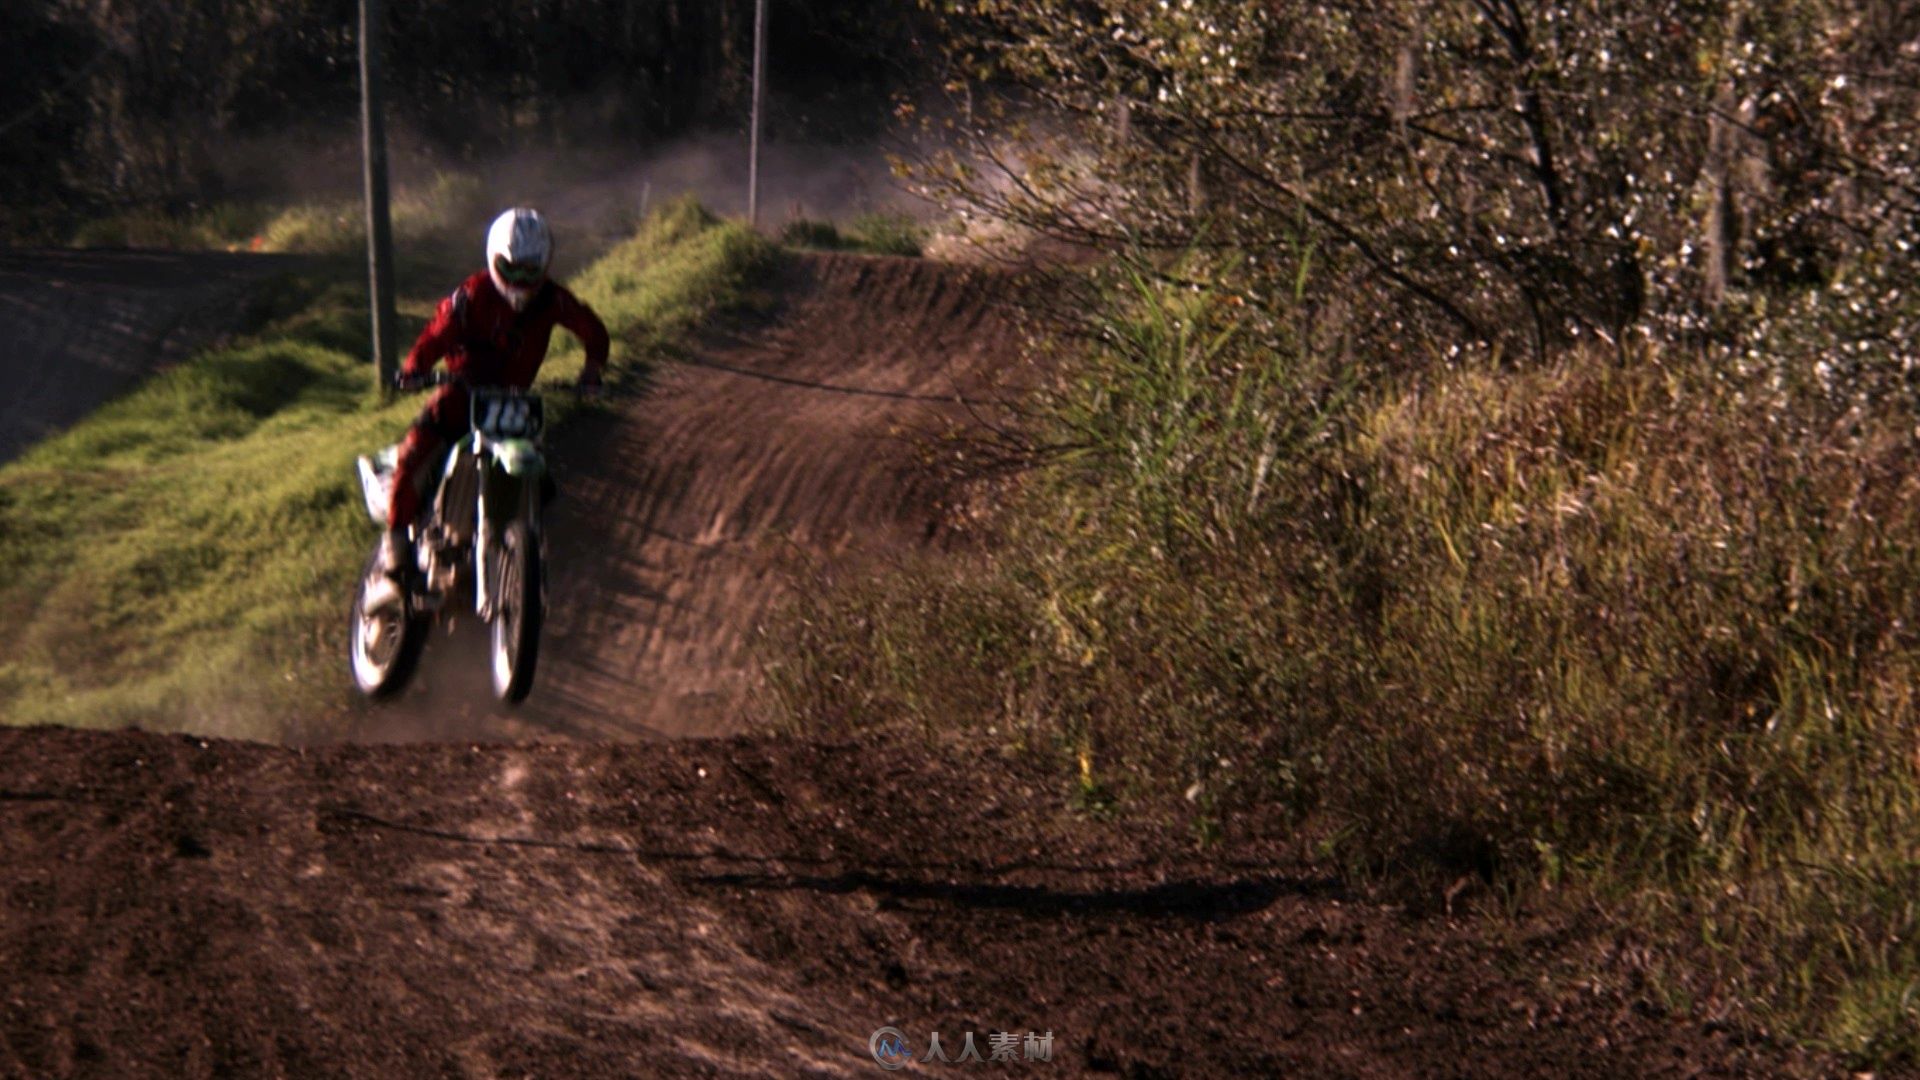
514	638
383	638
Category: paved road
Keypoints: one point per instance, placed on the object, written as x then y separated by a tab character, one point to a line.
82	327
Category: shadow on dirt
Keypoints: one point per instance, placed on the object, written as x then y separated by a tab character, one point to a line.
1191	898
1203	900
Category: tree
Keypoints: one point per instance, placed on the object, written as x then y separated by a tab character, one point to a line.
1471	172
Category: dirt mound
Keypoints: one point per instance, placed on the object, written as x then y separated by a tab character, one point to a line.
85	326
789	437
179	907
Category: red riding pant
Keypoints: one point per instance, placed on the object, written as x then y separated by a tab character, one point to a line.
444	422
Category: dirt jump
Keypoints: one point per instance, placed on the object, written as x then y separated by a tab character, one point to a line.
610	902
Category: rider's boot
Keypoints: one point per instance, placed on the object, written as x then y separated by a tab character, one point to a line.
397	557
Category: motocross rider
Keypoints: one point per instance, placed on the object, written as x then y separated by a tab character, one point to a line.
493	331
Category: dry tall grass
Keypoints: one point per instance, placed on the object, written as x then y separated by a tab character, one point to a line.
1645	630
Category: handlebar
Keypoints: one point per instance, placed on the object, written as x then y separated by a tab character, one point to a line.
427	381
447	378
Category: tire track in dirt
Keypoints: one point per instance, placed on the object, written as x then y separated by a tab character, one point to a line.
745	907
791	436
84	327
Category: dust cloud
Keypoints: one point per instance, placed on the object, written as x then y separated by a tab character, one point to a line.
600	191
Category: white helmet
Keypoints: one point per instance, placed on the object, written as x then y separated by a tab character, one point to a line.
519	247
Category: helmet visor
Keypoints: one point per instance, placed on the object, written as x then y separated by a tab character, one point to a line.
518	273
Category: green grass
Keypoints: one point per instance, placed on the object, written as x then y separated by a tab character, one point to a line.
442	213
439	215
223	226
181	559
1643	636
876	234
683	268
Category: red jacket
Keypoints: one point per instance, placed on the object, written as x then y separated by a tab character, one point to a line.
484	340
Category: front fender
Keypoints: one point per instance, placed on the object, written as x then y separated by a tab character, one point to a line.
376	481
519	458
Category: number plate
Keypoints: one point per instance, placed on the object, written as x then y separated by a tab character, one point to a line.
506	416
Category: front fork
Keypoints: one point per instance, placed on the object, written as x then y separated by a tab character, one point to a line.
497	488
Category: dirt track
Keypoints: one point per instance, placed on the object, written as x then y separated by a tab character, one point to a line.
85	326
721	907
789	437
729	907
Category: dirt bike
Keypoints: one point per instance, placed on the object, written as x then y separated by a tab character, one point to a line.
479	541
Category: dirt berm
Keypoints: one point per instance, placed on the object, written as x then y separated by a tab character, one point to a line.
732	906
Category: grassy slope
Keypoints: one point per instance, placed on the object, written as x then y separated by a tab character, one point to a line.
181	559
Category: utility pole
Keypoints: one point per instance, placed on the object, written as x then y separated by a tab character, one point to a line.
759	100
373	148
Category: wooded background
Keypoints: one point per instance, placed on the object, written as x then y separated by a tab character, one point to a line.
117	103
1521	176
